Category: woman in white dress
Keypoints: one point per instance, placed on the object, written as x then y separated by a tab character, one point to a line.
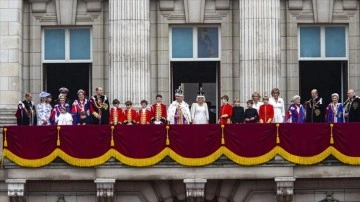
199	110
256	99
43	110
279	106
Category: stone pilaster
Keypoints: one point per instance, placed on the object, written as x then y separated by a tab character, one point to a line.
105	190
284	189
259	46
129	50
195	189
16	189
11	48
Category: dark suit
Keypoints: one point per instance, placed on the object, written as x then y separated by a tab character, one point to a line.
237	115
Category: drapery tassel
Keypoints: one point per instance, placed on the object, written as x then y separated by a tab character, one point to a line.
5	140
167	135
331	133
277	134
222	134
112	143
58	136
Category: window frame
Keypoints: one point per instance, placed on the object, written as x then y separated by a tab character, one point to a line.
323	43
67	46
195	43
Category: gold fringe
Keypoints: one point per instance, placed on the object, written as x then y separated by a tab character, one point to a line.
84	162
222	134
195	161
139	162
277	134
344	158
112	143
249	160
331	137
58	136
167	135
32	163
5	140
308	160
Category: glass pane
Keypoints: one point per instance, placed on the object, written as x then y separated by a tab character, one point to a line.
54	44
310	42
335	42
182	42
208	42
80	44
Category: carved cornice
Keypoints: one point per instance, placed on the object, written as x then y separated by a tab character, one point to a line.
38	6
296	10
284	188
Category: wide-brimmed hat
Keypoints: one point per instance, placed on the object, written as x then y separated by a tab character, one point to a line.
63	90
44	94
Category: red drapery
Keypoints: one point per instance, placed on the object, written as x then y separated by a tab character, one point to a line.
190	145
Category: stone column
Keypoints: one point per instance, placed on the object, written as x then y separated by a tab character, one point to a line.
195	190
259	46
105	190
16	189
11	48
284	189
129	40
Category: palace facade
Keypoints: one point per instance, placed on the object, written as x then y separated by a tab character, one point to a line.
137	49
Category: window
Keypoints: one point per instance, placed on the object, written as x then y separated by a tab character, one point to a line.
323	42
66	45
194	43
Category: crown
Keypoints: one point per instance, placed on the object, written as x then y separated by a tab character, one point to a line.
179	92
201	93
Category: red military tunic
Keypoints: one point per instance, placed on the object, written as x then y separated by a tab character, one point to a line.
116	116
144	116
158	112
266	113
225	114
130	116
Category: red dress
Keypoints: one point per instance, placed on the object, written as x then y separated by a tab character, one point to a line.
225	114
130	116
144	117
116	116
158	112
266	113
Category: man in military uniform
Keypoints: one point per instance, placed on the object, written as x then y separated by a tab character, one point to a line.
99	107
315	111
352	107
26	113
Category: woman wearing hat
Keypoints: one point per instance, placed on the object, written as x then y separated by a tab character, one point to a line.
296	112
43	110
335	110
80	109
199	110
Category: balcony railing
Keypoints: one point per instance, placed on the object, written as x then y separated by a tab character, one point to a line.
189	145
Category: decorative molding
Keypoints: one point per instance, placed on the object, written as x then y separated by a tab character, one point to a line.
38	6
66	12
194	11
222	4
323	10
349	4
195	188
93	5
104	188
295	4
166	5
16	189
284	188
